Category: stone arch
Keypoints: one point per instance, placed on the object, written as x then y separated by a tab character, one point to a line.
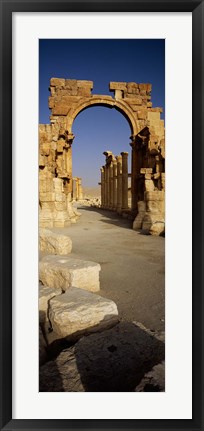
106	101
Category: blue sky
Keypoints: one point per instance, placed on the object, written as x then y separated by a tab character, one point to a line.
98	129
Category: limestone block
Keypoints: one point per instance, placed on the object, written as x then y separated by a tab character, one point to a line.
84	91
154	206
84	83
45	294
150	219
51	102
60	206
47	197
57	82
77	312
142	115
71	84
117	86
132	87
58	185
64	272
156	195
157	228
149	185
60	109
137	224
54	243
146	170
60	197
133	100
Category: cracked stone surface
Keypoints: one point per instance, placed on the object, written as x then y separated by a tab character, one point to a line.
115	360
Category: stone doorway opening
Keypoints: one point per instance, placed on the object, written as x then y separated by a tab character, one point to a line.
96	131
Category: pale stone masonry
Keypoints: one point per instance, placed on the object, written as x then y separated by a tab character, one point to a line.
58	188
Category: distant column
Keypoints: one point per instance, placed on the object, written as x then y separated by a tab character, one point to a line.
111	185
77	189
124	181
114	184
119	183
108	192
105	187
102	186
80	192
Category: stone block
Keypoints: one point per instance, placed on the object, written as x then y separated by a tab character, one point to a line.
133	100
45	294
157	228
149	185
60	197
146	170
84	91
153	206
51	102
71	84
142	115
118	86
84	83
156	195
132	87
57	82
65	272
53	243
60	109
77	312
60	206
47	197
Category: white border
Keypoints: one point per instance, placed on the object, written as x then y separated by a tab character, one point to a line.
176	402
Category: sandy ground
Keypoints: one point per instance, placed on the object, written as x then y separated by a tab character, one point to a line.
132	264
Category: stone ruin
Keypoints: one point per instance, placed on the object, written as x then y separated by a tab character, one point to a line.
69	304
58	188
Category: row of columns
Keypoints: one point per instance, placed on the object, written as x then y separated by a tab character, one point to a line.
77	188
114	182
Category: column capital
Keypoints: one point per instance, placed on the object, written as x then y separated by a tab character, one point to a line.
124	154
107	153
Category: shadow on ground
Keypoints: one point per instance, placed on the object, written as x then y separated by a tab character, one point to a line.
112	216
114	360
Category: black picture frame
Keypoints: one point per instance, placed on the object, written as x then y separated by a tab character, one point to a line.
7	8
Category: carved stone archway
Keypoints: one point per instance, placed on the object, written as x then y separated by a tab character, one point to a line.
68	98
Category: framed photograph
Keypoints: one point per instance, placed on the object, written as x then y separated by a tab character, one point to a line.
151	55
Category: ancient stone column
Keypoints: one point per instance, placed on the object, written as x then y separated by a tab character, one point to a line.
119	183
134	179
114	185
80	191
124	181
102	185
111	185
105	186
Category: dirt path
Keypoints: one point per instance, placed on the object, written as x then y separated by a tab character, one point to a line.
132	264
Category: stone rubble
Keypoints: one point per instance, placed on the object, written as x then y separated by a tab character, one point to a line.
53	243
64	272
114	360
78	312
